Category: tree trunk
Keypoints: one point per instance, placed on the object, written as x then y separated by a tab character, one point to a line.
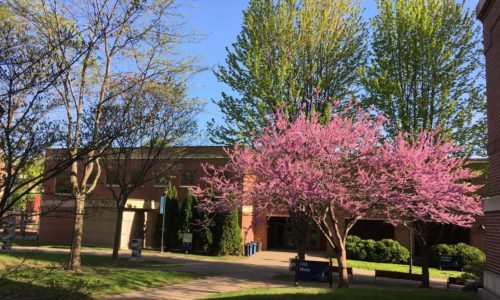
118	232
76	244
342	261
425	268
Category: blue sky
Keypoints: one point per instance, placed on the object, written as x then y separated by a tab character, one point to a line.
220	22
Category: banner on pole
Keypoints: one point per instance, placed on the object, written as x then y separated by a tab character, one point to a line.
162	205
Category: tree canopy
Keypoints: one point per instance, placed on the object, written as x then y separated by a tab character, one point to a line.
286	52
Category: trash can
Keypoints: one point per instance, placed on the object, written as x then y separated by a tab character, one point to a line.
254	248
136	246
259	246
247	249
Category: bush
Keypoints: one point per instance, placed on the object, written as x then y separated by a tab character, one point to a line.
384	251
227	235
355	248
391	251
470	254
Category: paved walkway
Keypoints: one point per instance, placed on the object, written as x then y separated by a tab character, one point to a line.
264	269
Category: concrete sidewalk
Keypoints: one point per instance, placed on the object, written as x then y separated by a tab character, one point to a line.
264	269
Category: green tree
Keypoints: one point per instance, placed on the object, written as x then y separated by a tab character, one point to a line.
426	69
286	53
171	217
202	233
227	234
186	217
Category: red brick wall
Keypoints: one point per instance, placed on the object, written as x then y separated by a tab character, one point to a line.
490	16
491	34
56	227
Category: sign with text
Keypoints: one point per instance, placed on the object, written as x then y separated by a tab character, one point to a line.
308	270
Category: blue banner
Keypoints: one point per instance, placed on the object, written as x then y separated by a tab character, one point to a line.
162	205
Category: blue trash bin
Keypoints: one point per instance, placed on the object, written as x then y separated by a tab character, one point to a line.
254	248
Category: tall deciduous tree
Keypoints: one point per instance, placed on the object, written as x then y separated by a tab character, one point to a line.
308	168
155	126
426	70
27	81
286	50
340	172
126	44
430	188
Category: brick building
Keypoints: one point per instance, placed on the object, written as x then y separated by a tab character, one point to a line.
139	219
488	11
273	230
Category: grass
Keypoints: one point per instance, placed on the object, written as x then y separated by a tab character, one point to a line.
33	243
434	273
344	294
38	273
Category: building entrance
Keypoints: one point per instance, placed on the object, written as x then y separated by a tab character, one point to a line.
280	235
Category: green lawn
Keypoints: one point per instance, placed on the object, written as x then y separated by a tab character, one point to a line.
345	294
434	273
39	273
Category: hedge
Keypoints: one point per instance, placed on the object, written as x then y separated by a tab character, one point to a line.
384	251
471	255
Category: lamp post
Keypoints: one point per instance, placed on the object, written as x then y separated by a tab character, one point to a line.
410	233
162	211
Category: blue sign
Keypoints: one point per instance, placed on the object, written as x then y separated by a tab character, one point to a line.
451	262
162	205
318	271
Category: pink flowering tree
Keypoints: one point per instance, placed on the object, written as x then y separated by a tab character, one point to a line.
327	173
429	188
339	172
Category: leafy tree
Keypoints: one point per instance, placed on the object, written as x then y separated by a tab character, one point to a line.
171	217
426	70
27	129
126	44
160	114
286	52
227	234
340	172
431	188
186	217
202	233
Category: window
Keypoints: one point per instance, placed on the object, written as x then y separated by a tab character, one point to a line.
188	178
137	178
162	180
63	183
112	177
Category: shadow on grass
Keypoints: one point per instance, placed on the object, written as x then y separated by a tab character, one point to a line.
345	294
40	275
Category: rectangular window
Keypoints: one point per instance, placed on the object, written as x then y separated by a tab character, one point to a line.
112	177
162	180
137	178
63	183
188	178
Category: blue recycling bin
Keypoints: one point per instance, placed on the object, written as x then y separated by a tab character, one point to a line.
254	248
